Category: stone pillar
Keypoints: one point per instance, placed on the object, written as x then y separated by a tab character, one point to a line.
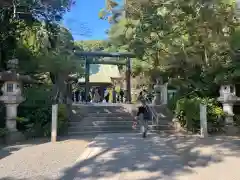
203	120
87	86
164	94
128	81
54	122
157	93
11	116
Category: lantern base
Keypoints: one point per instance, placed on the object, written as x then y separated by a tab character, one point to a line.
14	137
231	130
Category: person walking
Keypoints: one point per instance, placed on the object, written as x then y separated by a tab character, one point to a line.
96	97
121	95
77	93
141	115
107	96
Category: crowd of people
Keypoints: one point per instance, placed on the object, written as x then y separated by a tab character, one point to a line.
96	97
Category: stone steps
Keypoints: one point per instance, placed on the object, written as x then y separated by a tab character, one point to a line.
101	128
106	114
95	118
102	123
100	109
106	122
108	119
76	133
114	128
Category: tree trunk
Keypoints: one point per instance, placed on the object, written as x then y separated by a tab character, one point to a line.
69	101
62	91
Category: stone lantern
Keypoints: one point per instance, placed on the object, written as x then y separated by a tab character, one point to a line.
157	92
12	97
228	98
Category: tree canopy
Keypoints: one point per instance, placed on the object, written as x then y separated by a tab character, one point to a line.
184	40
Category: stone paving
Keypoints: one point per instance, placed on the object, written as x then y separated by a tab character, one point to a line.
129	157
125	157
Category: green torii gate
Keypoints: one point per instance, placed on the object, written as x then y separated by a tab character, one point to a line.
100	54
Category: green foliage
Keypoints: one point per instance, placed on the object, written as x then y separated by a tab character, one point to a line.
21	25
32	33
2	115
166	36
3	132
34	115
91	45
188	112
237	120
62	119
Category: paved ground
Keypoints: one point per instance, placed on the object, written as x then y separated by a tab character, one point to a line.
127	157
40	159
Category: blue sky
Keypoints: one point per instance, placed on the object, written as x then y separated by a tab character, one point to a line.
83	20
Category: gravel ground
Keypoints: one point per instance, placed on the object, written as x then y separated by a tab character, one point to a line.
40	159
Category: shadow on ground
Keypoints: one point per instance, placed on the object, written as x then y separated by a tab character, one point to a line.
165	157
196	151
9	149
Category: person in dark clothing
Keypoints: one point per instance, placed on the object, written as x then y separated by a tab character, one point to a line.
89	98
114	95
121	95
83	96
141	110
73	96
141	115
118	97
107	97
77	92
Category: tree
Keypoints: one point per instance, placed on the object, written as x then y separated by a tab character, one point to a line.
167	36
91	45
16	16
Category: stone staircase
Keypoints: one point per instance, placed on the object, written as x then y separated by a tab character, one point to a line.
105	118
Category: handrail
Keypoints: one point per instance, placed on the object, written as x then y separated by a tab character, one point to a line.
154	113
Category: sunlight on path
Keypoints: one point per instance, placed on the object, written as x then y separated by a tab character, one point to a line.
129	157
124	157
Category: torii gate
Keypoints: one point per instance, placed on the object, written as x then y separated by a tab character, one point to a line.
101	54
126	62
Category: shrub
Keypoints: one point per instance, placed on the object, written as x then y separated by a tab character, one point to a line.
62	119
173	102
2	115
34	115
34	120
38	123
3	132
237	120
188	112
